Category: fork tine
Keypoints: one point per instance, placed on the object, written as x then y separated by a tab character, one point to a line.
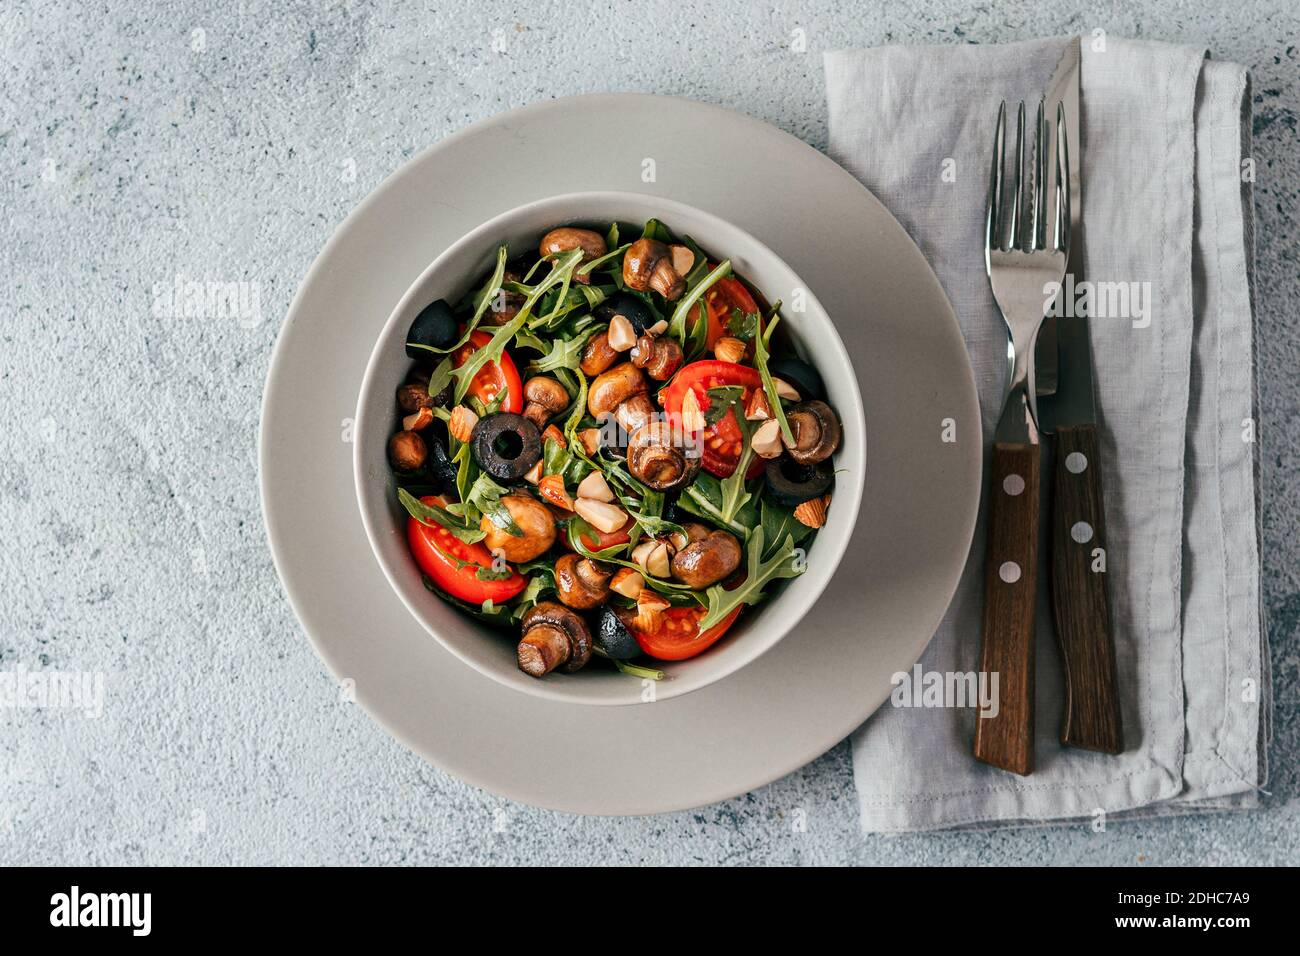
991	217
1014	237
1061	238
1041	141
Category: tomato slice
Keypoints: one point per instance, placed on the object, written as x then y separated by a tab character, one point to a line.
597	540
439	554
720	299
494	376
722	441
678	635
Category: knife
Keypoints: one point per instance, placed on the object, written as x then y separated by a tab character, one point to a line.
1080	596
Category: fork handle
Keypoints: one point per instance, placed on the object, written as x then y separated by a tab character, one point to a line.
1080	601
1006	740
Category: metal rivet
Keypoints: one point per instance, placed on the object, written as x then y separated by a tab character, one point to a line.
1009	572
1013	485
1076	462
1081	532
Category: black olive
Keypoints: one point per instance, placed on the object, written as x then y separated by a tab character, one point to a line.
632	307
439	467
806	379
613	637
435	327
791	483
506	445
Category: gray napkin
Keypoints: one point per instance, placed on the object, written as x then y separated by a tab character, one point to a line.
1167	205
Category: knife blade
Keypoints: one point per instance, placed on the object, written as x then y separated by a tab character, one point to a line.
1080	596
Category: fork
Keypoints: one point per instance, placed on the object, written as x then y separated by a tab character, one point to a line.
1022	273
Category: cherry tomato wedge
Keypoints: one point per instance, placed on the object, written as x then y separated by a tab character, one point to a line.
723	439
597	540
493	376
678	635
721	298
440	554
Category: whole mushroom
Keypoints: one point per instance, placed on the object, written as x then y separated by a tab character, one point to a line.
649	264
545	398
597	355
612	388
532	518
711	557
658	357
567	238
553	636
815	429
581	583
656	457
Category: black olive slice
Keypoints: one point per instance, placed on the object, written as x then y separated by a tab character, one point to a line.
631	307
435	327
613	637
791	483
439	466
806	379
506	445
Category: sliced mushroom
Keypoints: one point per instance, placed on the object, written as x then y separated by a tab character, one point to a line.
707	561
597	355
815	429
567	238
553	636
648	264
581	583
546	398
657	458
532	518
612	388
658	357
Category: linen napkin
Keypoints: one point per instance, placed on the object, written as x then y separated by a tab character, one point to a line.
1167	211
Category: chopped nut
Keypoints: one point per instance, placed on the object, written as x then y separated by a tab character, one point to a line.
551	488
654	557
813	512
463	420
590	438
534	475
683	259
627	582
728	349
407	451
692	416
649	610
595	487
601	515
758	408
420	419
678	540
767	439
785	390
659	328
551	433
621	335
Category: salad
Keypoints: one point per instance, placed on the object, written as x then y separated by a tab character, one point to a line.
605	450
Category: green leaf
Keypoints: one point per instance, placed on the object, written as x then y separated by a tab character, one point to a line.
782	564
703	498
430	515
485	495
635	670
760	363
721	398
742	325
779	522
677	325
561	353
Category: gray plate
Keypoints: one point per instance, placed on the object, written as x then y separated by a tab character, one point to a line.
874	619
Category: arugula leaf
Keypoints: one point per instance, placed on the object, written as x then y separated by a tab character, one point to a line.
482	298
779	522
596	263
721	398
485	495
579	528
430	515
742	325
781	565
677	325
654	229
703	498
760	363
561	353
734	492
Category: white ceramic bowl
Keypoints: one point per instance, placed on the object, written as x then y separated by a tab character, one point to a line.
491	651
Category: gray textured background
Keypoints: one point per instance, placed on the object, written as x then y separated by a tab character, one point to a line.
135	149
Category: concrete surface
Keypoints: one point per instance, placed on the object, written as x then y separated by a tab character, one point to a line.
218	140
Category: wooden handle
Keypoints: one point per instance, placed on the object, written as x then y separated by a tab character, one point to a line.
1011	561
1080	600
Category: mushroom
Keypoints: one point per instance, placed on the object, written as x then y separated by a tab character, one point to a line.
532	517
567	238
634	413
613	387
553	636
648	264
707	560
659	357
581	583
505	305
407	451
815	430
546	398
656	457
597	355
